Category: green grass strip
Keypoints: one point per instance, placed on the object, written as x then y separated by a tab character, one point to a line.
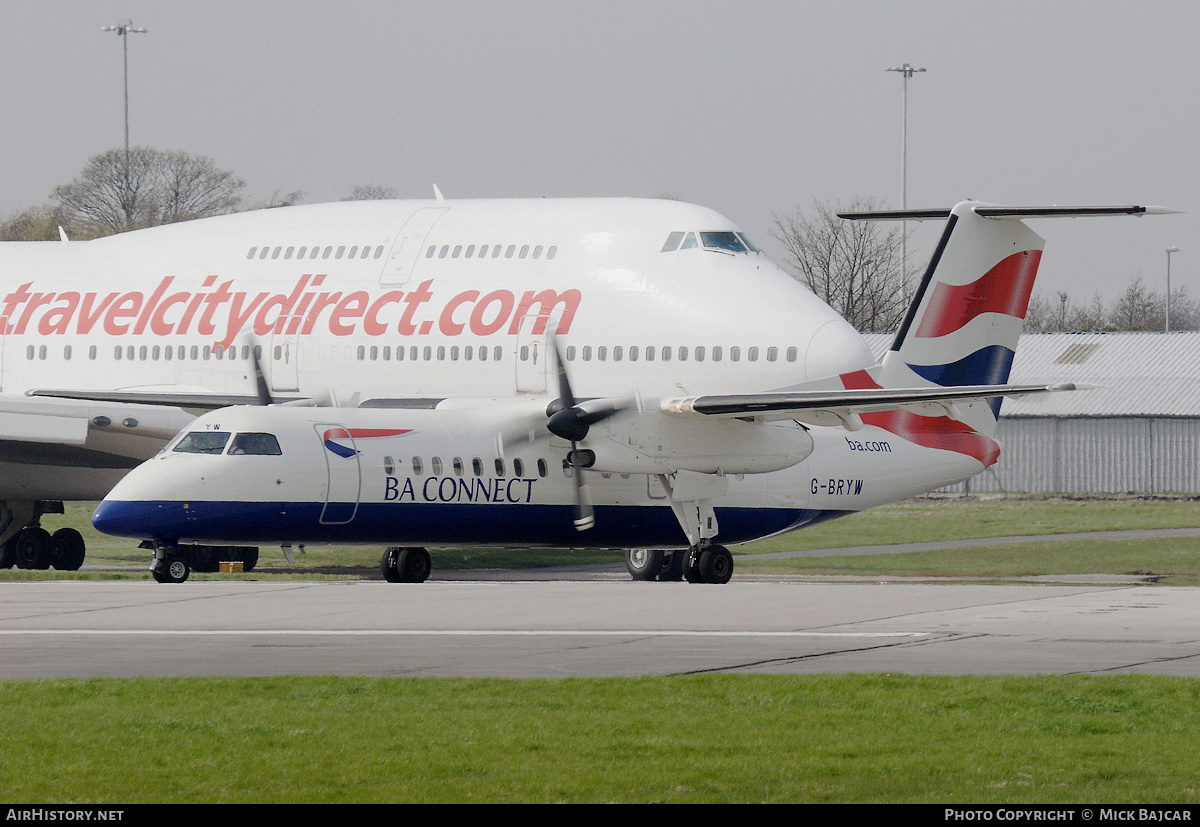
842	738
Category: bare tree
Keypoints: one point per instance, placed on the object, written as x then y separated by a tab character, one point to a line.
34	224
370	192
853	266
289	199
1137	308
116	192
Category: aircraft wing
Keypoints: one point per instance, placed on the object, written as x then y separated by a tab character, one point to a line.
66	422
822	407
174	398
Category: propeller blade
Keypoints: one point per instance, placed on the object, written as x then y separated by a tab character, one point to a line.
565	396
585	517
260	383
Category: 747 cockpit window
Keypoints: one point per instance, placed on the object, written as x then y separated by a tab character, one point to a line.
203	442
723	241
255	444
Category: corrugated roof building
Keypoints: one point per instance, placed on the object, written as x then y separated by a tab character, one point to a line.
1137	431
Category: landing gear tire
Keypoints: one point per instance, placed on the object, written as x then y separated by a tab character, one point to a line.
414	565
171	569
716	565
708	564
249	557
644	563
406	565
67	549
388	564
8	553
204	558
672	570
32	548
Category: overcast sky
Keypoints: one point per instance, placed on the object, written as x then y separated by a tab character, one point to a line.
751	107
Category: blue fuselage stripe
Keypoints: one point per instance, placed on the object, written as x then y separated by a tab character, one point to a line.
430	524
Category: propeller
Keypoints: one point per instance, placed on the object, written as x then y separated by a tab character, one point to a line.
569	419
570	422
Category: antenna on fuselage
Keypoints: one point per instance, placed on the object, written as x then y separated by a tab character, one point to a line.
437	193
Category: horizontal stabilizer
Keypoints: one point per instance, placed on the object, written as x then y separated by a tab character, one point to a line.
998	211
788	405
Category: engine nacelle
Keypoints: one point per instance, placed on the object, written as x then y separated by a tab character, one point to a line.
657	443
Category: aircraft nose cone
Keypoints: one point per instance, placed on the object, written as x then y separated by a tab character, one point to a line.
138	519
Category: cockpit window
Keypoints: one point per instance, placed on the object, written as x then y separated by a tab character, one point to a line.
672	243
749	244
723	241
203	442
255	444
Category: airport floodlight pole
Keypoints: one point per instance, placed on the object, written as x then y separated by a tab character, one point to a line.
124	30
907	71
1167	326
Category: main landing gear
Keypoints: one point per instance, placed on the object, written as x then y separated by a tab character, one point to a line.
405	565
33	547
29	546
705	563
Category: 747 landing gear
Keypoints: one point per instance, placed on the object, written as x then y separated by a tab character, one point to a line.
405	565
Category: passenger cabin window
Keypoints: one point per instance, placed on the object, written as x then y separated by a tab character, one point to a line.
203	442
255	445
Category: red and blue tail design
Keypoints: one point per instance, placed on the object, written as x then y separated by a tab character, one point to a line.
965	319
963	324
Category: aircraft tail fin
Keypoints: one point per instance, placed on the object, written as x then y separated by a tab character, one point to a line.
968	311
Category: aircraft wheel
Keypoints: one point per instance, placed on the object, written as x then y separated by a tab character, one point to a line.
8	553
249	557
388	564
173	569
204	558
643	563
672	570
716	565
414	565
33	548
67	549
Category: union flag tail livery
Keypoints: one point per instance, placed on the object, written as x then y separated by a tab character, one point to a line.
969	309
967	314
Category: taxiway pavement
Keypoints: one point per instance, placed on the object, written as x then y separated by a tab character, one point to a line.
591	627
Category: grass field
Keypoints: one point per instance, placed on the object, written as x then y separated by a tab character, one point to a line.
714	739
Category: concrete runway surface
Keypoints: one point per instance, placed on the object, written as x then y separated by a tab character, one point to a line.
592	627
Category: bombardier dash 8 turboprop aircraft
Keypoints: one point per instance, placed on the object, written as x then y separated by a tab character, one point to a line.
616	373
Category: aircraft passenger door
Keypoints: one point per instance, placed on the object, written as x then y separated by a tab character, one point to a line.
345	474
534	361
284	362
406	254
